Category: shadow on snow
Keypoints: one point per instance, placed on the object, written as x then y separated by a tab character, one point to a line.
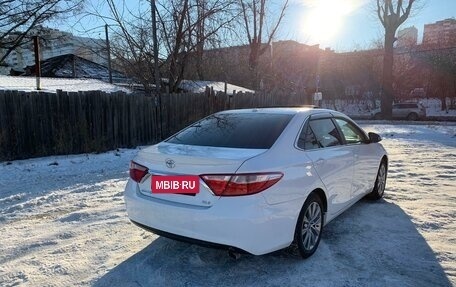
371	244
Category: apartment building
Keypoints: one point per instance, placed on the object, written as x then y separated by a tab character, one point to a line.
442	33
407	37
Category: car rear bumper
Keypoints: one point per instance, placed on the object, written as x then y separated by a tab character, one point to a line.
187	239
246	222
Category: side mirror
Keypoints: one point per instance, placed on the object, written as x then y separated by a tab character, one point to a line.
374	138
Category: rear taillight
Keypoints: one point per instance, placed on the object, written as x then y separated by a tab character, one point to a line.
137	171
240	184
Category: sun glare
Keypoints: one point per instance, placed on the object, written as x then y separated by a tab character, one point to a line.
325	18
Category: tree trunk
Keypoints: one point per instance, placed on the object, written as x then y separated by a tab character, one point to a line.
200	34
199	62
453	95
253	63
173	74
443	93
444	105
387	85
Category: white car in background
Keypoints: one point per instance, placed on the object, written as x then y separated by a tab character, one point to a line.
404	111
267	178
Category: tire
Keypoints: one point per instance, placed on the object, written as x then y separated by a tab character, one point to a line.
309	226
412	117
380	182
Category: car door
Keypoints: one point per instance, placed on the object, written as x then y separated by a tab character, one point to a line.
332	161
365	157
399	111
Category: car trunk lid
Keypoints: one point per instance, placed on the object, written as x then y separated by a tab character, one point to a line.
178	159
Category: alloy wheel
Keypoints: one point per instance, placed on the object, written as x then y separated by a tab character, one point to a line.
381	180
311	226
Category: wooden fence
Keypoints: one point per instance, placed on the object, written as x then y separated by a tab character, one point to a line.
36	124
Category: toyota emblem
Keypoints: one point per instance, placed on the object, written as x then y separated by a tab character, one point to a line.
170	163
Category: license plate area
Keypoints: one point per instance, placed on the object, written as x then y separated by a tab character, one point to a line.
175	184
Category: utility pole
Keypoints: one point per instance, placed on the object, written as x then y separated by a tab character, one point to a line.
36	44
108	48
153	10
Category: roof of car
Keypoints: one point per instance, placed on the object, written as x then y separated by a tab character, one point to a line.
280	110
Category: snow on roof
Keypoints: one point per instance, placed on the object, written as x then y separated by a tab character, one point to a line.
200	87
53	84
73	66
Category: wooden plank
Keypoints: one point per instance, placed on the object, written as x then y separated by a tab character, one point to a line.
4	128
6	134
125	121
115	119
19	152
108	121
67	133
47	122
37	126
85	128
133	120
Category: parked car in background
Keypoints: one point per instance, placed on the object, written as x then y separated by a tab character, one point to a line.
405	111
261	178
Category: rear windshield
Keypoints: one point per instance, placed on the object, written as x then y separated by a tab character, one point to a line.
242	130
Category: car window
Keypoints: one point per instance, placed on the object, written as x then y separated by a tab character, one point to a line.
405	106
352	134
234	130
307	139
320	133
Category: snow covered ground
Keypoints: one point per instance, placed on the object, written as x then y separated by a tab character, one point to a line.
63	223
53	84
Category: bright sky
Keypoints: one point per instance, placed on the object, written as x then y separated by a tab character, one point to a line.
342	25
351	24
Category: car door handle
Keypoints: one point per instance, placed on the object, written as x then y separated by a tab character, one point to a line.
319	161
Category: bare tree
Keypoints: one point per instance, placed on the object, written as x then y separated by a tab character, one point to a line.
184	27
131	37
440	67
187	27
200	32
392	13
19	17
405	69
257	22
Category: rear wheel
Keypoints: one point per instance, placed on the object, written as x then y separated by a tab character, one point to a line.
412	117
310	226
380	182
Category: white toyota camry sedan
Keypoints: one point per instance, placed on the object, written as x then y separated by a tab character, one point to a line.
256	180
